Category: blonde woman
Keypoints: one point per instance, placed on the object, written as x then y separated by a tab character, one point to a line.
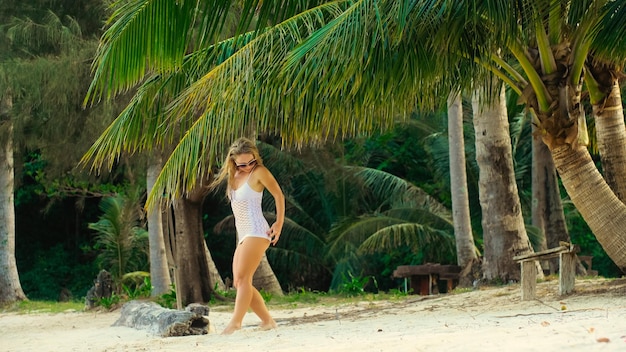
247	178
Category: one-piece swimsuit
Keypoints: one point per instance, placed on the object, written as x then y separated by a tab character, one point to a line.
249	219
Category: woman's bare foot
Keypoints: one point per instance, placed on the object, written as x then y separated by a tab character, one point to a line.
268	325
230	329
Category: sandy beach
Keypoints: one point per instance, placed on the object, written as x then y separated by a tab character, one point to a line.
593	318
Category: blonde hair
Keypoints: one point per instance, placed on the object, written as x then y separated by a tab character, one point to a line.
229	167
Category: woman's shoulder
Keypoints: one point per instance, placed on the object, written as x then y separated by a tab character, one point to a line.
260	172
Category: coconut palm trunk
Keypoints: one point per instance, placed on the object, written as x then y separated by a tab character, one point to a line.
611	137
193	284
602	210
10	287
504	233
547	208
465	248
159	269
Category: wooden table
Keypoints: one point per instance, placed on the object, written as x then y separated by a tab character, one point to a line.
424	279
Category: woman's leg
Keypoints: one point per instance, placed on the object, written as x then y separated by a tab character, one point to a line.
245	261
260	309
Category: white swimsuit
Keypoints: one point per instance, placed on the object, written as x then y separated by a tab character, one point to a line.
246	205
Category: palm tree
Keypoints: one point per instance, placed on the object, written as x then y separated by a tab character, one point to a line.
602	80
121	241
465	247
10	286
547	40
504	232
159	269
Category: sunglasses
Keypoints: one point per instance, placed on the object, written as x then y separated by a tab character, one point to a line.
249	163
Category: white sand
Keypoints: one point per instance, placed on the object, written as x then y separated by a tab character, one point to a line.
490	319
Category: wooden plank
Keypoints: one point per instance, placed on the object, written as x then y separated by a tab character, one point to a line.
529	280
550	253
567	273
563	247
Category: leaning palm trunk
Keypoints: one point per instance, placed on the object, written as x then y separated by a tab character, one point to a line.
10	287
602	210
465	248
504	233
611	136
159	271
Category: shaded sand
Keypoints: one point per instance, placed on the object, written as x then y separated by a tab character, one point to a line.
489	319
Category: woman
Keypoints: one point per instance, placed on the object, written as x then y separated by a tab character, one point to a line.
247	178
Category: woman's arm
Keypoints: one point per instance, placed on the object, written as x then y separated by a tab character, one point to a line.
268	181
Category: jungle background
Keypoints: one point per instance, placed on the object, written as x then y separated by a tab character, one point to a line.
65	213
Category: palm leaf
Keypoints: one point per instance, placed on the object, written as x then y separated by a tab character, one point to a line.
415	236
347	234
397	192
122	61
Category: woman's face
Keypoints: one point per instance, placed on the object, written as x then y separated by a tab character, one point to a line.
244	162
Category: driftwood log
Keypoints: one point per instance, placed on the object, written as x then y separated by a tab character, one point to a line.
144	315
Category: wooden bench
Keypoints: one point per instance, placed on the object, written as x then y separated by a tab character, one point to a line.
567	269
424	279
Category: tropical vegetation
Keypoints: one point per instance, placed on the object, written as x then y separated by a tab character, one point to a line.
337	93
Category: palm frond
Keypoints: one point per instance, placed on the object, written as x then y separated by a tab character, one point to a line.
122	60
398	192
412	235
609	44
348	233
421	216
52	33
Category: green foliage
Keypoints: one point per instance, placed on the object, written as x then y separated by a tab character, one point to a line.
302	295
137	285
109	302
397	293
122	244
50	271
267	296
354	286
168	300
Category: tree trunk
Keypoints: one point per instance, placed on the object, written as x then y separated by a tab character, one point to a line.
10	287
159	269
193	284
504	233
602	210
214	274
265	279
465	248
611	137
547	208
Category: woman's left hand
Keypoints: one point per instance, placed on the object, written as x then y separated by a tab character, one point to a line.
274	233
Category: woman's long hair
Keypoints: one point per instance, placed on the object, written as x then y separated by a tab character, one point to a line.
229	167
